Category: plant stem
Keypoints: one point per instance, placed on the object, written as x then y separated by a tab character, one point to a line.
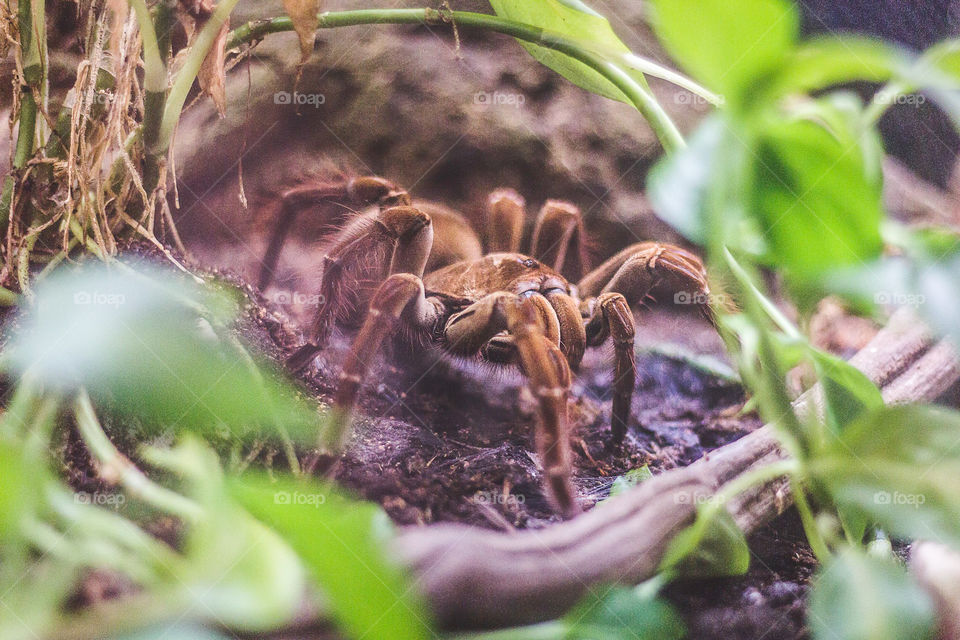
26	135
23	263
735	487
820	548
747	282
154	70
115	467
31	15
188	72
651	68
154	86
883	99
642	99
33	74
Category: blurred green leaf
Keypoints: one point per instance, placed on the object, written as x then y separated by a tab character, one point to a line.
17	491
841	113
713	546
922	243
579	22
945	56
36	595
155	346
630	479
236	569
824	62
848	394
898	467
925	283
342	541
815	200
680	185
728	46
624	614
859	597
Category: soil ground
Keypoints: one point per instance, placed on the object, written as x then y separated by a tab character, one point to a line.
447	442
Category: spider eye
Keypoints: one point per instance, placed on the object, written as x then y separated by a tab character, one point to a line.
530	263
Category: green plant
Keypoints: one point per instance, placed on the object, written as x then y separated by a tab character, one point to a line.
784	176
782	179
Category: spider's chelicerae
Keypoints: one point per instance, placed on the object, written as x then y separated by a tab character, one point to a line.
417	272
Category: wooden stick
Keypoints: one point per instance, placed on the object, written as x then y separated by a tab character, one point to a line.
478	578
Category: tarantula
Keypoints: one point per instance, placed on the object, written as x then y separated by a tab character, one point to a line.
418	274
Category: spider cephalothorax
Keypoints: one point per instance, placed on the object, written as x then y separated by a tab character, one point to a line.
416	271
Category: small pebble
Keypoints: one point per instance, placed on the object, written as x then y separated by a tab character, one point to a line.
781	593
752	596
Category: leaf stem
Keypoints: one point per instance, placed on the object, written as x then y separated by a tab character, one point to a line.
817	543
115	467
642	99
154	70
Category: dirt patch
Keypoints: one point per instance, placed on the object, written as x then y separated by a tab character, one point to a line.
446	442
437	441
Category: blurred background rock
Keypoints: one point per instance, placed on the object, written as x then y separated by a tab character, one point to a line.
447	124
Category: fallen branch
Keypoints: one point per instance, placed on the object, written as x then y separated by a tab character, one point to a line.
478	578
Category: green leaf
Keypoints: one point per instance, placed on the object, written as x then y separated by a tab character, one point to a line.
714	546
18	492
624	614
238	570
927	284
816	202
924	243
859	597
630	479
841	113
848	394
898	467
944	56
579	22
823	62
342	541
680	185
155	346
728	46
